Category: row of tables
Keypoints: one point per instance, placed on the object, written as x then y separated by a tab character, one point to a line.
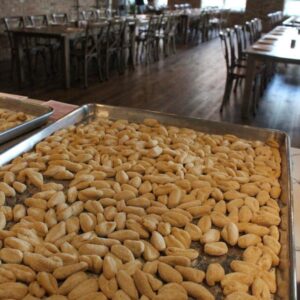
281	45
64	34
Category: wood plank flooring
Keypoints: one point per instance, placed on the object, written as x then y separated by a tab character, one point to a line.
189	83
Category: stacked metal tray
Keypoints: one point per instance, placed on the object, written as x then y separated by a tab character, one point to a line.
39	112
286	272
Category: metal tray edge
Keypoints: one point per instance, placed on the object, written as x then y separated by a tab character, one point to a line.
22	128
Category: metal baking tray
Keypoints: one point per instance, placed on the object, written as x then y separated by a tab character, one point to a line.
286	271
41	114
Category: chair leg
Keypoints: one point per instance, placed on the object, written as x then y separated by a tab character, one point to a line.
29	61
137	53
228	87
156	50
107	66
236	85
43	55
166	47
256	93
99	70
52	60
119	61
85	72
12	66
142	51
174	44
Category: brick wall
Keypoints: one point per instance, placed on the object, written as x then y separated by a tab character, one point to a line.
260	9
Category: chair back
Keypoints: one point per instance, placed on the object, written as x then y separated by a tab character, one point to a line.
109	13
87	15
116	32
60	18
257	28
170	28
275	18
12	23
228	44
38	20
164	23
250	31
153	26
241	40
174	20
94	35
99	14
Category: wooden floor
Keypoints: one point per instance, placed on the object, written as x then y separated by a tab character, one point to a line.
189	83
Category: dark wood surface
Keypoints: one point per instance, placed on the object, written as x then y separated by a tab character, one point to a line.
285	48
189	83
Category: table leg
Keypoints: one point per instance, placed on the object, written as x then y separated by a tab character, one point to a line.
66	61
250	74
19	59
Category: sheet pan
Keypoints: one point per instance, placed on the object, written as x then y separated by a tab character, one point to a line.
286	272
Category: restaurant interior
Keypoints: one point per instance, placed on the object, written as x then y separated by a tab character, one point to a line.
149	149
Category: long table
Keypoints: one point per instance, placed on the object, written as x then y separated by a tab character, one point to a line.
281	45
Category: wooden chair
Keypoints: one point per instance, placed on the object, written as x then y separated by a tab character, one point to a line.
218	20
257	28
199	28
128	42
147	40
109	13
250	31
113	44
60	18
233	71
30	47
86	49
89	15
51	45
12	23
274	19
99	14
169	37
38	20
242	44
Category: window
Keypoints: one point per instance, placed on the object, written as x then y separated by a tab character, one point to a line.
238	5
292	7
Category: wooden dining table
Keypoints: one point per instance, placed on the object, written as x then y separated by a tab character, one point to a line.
64	34
293	21
281	45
